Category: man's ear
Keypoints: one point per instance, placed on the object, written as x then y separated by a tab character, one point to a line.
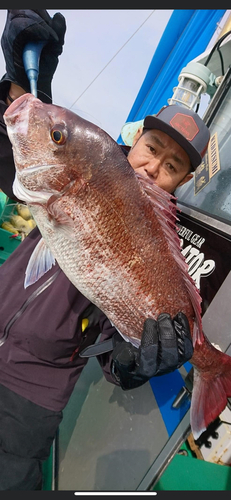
137	136
187	178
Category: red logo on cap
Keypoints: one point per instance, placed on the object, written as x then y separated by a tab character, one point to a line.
186	125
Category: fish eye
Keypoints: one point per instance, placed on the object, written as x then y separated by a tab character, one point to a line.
58	134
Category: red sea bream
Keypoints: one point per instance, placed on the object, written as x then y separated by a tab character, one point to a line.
113	235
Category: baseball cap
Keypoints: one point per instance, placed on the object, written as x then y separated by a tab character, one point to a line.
182	124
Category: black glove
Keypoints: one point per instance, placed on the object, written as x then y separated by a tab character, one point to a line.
23	26
165	345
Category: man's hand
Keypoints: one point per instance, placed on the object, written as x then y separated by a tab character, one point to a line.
165	345
23	26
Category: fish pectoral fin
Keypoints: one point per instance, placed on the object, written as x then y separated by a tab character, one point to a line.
41	260
59	219
57	214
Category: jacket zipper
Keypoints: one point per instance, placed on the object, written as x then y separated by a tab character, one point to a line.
26	304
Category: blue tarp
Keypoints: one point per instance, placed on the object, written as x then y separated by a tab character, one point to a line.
186	35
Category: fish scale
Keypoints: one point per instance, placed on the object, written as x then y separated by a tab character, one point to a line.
120	258
112	233
114	253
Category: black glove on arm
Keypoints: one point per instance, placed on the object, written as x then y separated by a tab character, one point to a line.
23	26
165	345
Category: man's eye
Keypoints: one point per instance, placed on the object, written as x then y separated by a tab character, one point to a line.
152	149
171	167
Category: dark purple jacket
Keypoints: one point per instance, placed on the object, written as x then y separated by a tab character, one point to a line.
41	325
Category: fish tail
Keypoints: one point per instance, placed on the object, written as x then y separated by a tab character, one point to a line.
210	393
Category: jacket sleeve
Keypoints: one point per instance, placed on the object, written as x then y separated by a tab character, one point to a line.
7	167
105	360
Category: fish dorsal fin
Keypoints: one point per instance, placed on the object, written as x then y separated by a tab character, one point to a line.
41	261
155	191
164	208
166	212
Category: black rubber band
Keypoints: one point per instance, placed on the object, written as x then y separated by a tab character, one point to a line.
10	98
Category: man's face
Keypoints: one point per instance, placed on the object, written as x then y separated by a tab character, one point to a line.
157	156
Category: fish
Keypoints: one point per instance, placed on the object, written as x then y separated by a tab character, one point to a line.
22	226
9	227
112	232
23	210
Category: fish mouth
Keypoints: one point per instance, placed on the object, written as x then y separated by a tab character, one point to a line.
17	107
17	114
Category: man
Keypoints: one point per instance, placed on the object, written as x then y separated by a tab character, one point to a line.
157	155
40	343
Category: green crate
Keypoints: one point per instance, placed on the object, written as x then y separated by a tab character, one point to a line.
3	199
8	209
188	473
47	472
8	243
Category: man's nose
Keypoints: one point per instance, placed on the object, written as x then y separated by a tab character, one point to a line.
153	167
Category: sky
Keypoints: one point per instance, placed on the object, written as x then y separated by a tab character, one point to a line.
113	47
106	56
